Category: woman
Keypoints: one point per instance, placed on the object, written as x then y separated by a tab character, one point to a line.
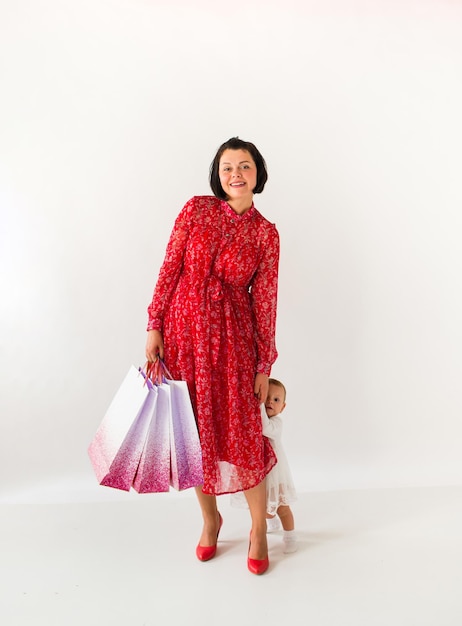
212	319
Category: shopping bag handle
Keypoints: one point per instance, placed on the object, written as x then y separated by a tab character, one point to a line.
165	369
157	371
153	372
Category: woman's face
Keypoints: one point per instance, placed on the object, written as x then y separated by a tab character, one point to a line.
238	174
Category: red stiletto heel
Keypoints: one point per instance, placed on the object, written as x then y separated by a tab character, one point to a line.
256	566
205	553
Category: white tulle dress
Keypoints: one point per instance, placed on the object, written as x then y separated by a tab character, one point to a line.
280	488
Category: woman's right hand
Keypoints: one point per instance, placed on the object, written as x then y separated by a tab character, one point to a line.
154	345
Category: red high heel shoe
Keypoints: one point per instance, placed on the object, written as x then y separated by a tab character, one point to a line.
256	566
205	553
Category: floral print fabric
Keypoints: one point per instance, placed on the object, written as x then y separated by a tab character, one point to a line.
215	303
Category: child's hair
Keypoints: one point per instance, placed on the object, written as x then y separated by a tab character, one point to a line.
277	383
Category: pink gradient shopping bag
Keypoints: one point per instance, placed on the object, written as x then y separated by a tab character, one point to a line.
116	448
185	448
153	474
148	438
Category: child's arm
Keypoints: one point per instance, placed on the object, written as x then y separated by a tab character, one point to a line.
271	427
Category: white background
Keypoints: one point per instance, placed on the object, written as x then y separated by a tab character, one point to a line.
110	113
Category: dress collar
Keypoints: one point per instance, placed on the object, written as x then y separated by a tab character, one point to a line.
232	213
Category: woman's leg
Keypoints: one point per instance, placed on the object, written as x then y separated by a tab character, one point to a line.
256	499
210	516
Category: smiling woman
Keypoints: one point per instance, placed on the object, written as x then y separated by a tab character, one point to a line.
236	155
212	318
238	178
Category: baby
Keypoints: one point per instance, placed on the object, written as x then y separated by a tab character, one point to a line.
280	489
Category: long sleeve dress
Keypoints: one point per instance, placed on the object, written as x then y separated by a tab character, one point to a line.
215	303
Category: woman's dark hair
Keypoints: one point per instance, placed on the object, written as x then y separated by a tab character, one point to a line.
237	144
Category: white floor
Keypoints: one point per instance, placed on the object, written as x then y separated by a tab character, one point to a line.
372	558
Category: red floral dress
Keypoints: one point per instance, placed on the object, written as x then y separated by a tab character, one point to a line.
215	303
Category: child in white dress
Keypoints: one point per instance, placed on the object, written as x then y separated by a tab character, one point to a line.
280	489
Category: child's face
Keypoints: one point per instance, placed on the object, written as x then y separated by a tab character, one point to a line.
275	401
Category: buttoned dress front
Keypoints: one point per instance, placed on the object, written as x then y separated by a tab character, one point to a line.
215	304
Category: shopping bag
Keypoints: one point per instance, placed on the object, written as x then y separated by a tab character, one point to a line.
153	474
116	448
185	448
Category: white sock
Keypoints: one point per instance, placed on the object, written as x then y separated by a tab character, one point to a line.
290	541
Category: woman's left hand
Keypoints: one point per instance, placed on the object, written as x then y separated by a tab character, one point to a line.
261	387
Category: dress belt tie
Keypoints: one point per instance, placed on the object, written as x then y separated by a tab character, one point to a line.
215	288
